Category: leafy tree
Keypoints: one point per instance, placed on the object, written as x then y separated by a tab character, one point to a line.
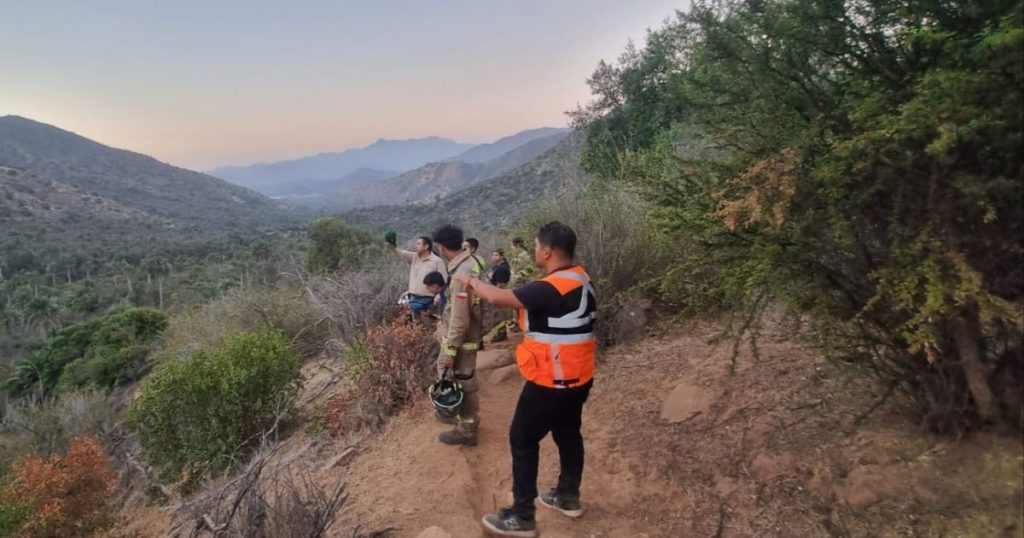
334	244
858	160
105	351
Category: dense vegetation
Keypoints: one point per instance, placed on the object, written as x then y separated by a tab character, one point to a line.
859	161
104	351
333	244
53	282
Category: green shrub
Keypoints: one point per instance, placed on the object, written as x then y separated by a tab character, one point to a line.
356	356
319	419
12	515
206	413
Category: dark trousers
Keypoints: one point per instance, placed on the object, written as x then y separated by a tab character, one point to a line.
541	410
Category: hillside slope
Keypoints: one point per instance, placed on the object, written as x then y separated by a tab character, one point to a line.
488	152
24	195
430	181
131	179
314	189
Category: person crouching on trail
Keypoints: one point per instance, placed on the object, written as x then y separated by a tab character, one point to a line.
557	359
422	262
460	333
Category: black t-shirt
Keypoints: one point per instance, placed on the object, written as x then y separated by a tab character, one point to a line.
542	301
500	273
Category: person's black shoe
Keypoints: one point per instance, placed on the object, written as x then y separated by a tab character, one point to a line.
565	505
507	523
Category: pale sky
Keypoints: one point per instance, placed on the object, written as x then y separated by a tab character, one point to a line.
203	84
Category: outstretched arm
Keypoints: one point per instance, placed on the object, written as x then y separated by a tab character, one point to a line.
491	294
402	255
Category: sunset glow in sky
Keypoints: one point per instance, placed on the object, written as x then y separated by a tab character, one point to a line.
202	84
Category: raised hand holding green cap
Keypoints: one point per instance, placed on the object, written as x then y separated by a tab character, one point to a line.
391	237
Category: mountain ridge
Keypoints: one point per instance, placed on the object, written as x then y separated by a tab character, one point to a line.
493	204
489	151
302	176
434	181
399	155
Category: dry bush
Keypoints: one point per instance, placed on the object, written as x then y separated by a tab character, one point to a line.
621	253
315	313
269	498
67	495
354	301
273	504
47	426
400	364
244	309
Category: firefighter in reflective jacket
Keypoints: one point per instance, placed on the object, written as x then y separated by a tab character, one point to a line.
460	332
556	357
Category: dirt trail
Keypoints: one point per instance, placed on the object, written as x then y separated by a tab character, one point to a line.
409	480
676	446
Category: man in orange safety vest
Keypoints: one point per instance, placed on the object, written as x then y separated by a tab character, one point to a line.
556	357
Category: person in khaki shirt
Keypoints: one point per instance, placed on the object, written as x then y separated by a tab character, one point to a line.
422	262
460	334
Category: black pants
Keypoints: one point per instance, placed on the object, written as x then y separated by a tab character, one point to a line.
541	410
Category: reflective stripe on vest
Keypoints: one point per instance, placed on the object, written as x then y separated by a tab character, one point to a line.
575	318
560	338
556	366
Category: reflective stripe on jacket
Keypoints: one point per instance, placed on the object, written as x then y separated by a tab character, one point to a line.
562	355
